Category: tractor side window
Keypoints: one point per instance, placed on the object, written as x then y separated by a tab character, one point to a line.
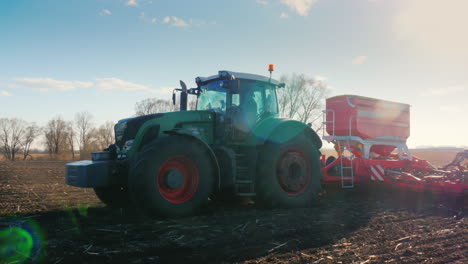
257	96
250	101
271	104
235	99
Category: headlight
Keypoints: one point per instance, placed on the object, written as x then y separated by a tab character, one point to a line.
128	145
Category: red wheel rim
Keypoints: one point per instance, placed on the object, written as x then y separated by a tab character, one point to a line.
177	179
293	171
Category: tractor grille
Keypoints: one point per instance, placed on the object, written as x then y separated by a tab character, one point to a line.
131	128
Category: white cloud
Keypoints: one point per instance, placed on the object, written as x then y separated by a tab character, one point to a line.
262	2
163	90
177	22
117	84
48	84
108	84
131	3
447	90
435	28
301	7
166	20
154	20
5	93
359	60
105	12
284	15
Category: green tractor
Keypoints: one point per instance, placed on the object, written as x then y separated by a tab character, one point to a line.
233	145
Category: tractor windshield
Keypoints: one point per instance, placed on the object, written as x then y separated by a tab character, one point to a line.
253	97
212	97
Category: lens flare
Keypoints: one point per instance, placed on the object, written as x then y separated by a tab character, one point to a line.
15	245
20	241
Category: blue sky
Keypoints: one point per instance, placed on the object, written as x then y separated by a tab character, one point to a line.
102	56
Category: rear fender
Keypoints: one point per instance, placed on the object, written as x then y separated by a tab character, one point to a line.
281	130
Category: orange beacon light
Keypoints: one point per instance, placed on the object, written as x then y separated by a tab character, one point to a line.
271	67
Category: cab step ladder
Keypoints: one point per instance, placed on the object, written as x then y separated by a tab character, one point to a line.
244	185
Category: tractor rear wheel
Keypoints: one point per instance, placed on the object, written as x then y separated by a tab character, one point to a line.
113	196
289	173
171	177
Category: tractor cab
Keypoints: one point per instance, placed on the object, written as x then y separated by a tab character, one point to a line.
239	98
252	93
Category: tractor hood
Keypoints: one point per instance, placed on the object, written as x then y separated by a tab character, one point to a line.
127	129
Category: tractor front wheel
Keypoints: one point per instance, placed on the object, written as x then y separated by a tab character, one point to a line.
171	177
289	173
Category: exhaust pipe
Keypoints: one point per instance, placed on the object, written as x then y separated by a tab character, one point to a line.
183	97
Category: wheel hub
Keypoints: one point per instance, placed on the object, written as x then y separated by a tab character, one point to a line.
293	172
177	179
174	179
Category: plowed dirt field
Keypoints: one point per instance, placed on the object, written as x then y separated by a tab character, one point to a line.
70	225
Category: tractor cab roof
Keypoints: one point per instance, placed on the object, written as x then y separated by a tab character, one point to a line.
229	75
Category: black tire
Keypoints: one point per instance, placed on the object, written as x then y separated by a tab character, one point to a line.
113	196
329	160
335	170
289	174
171	177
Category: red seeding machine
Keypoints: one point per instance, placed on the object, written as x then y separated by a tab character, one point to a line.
369	136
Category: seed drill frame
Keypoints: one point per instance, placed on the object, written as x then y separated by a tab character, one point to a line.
369	136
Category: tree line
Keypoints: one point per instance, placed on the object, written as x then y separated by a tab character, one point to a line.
302	99
59	137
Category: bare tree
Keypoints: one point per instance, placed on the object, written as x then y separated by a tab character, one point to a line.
31	133
153	106
192	103
302	99
55	133
12	131
70	135
84	125
104	135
